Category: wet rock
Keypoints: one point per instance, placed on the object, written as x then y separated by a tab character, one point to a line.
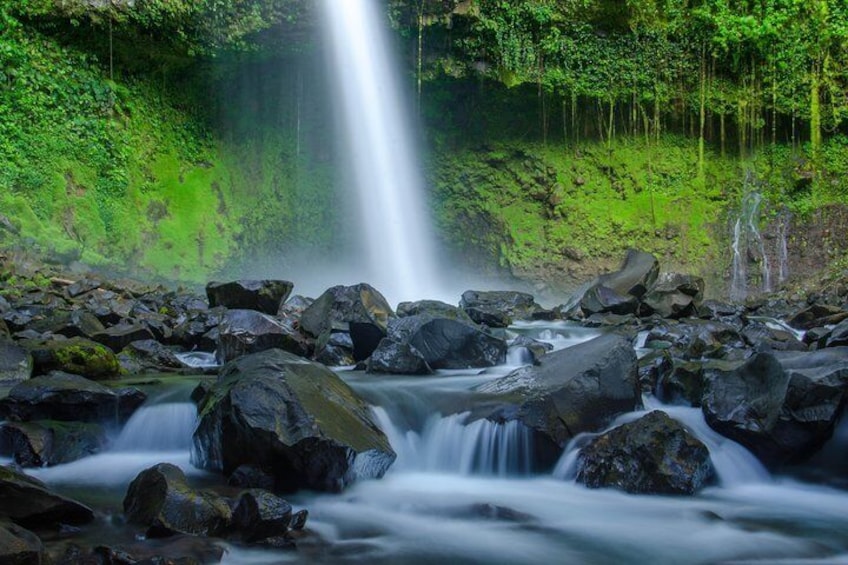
28	502
341	307
15	362
435	308
508	304
259	514
619	292
46	443
448	344
247	331
19	546
77	355
817	315
574	390
148	356
673	295
292	417
118	337
397	358
653	455
264	296
68	397
160	500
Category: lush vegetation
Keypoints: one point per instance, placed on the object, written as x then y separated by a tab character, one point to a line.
183	136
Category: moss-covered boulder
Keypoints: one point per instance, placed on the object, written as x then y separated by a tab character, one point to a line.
653	455
160	500
295	419
77	355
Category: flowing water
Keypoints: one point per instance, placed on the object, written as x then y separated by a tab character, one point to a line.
393	219
461	491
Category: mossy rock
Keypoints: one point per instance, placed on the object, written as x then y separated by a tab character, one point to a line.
78	356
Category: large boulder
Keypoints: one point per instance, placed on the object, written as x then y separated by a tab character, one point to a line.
30	503
498	308
15	362
397	358
248	331
446	343
160	500
294	418
653	455
19	546
574	390
619	292
674	295
265	296
359	309
77	355
68	397
45	443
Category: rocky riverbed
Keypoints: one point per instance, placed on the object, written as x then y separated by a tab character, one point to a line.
79	351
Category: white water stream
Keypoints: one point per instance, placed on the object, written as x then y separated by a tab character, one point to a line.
396	239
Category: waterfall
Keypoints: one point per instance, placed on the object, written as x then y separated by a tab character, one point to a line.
451	444
747	243
398	247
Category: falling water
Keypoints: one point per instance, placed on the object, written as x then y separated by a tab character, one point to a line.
395	230
748	240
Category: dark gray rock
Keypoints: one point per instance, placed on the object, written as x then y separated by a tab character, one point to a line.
19	546
68	397
265	296
259	514
653	455
448	344
247	331
28	502
574	390
397	358
292	417
359	310
673	295
46	443
160	500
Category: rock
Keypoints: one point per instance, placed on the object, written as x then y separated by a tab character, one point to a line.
292	417
448	344
46	443
265	296
258	515
77	355
674	295
574	390
744	402
247	331
618	292
118	337
15	363
19	546
498	307
817	315
160	500
148	356
28	502
68	397
397	358
342	307
436	308
653	455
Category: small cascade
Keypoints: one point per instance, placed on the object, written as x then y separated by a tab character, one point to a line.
159	427
748	246
734	465
451	444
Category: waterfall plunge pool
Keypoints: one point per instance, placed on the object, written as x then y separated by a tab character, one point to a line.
459	493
